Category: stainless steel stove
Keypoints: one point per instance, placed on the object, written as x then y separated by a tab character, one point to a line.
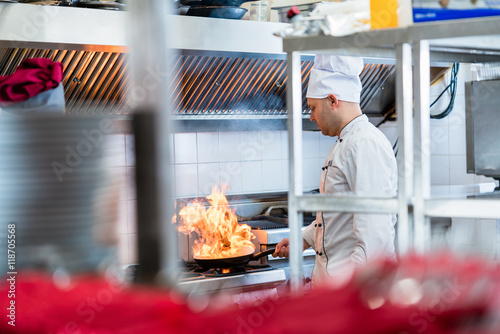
266	215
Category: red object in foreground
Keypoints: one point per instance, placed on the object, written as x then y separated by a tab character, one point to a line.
438	295
32	77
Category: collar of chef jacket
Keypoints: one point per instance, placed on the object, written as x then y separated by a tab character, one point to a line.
350	125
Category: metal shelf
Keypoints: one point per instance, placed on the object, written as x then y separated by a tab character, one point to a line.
413	48
312	203
470	40
463	208
67	28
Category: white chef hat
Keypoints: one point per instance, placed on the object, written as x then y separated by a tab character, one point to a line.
338	75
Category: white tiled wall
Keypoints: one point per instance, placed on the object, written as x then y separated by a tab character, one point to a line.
258	162
248	162
449	175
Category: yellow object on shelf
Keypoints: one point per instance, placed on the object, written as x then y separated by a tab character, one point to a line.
390	13
384	13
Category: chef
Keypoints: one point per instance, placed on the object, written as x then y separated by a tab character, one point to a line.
360	163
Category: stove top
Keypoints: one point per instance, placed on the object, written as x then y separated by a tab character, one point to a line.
222	272
194	279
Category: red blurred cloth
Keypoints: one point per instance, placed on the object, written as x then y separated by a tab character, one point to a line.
456	296
32	77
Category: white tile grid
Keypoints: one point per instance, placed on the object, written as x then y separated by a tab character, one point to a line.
132	248
118	175
440	169
208	147
439	140
271	145
284	144
457	115
457	140
286	174
310	144
230	174
251	146
311	173
251	176
440	191
132	216
131	194
114	148
123	249
230	146
272	179
121	227
208	178
458	171
129	150
486	237
463	232
186	180
185	151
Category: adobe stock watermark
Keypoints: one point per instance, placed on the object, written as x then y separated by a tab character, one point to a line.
31	25
88	309
92	139
251	322
251	149
449	294
151	81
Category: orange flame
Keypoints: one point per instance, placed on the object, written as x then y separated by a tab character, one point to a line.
220	235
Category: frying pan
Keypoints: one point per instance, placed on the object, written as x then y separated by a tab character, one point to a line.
198	3
221	12
230	262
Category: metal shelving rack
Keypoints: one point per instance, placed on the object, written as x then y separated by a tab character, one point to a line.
413	48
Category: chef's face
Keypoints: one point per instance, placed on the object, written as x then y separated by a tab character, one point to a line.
322	112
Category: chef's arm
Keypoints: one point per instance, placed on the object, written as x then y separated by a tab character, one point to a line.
370	174
308	236
283	248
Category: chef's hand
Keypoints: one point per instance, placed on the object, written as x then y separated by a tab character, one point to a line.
282	248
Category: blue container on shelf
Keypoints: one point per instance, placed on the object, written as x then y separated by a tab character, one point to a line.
442	10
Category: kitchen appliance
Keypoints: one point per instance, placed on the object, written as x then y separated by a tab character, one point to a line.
223	9
266	215
482	124
218	12
231	262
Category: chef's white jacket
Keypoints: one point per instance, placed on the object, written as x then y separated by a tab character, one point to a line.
360	163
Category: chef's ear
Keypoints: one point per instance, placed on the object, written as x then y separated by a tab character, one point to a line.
332	99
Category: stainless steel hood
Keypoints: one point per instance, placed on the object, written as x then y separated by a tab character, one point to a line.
228	75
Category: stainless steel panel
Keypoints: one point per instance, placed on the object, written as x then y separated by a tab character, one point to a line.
312	203
404	99
269	278
203	86
463	208
421	91
482	124
295	217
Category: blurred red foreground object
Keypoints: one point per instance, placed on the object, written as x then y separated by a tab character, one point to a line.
32	77
441	294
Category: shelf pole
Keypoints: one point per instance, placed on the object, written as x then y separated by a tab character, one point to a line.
421	90
294	124
404	100
151	52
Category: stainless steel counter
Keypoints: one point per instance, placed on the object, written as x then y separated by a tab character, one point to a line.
237	283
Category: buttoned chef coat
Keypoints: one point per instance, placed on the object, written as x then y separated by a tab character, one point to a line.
360	163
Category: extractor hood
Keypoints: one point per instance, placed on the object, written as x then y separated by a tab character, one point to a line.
226	72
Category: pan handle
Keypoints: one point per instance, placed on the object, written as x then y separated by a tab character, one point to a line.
262	254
